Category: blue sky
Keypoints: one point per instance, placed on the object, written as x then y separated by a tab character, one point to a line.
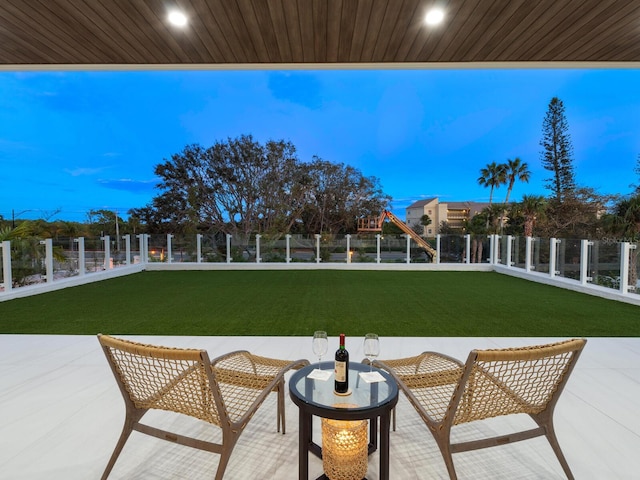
74	141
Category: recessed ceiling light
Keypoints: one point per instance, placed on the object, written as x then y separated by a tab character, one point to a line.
434	16
177	18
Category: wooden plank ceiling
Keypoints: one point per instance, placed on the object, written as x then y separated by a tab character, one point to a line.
315	32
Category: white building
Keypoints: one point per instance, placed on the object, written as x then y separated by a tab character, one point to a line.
453	213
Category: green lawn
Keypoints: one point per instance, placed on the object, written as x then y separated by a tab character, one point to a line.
299	302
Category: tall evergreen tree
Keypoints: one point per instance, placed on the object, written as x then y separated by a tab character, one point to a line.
558	151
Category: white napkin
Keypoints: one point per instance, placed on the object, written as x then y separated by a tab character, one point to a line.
322	375
372	377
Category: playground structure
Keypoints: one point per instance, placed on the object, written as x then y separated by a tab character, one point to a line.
374	224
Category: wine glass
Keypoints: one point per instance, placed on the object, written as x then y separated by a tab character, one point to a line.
371	348
320	345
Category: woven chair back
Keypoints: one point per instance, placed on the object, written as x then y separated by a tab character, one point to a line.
172	379
518	380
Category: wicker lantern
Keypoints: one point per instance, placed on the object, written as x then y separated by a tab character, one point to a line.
344	449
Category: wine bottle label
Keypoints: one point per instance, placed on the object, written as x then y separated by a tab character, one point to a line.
341	371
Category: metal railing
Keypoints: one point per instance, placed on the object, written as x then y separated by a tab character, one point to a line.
609	266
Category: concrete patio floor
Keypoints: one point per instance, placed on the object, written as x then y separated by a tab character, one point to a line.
61	414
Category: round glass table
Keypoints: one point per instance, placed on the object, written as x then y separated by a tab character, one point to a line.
366	401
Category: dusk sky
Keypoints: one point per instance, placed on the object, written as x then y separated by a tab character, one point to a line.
74	141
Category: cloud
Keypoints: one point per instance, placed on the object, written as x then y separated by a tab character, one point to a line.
129	185
81	171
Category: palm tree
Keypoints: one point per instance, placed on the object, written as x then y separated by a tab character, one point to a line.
493	175
515	169
532	206
494	214
625	221
477	229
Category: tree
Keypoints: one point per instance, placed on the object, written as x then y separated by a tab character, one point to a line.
25	246
102	222
425	221
557	151
493	215
477	228
337	195
515	169
242	187
637	172
532	208
624	223
390	228
576	216
492	176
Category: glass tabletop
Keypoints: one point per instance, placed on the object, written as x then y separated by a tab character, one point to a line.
362	396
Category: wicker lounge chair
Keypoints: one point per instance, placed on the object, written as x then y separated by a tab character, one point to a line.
225	392
446	392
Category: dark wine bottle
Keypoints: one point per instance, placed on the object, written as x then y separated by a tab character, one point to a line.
342	368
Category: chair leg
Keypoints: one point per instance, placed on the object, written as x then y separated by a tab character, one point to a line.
124	436
444	443
225	455
553	441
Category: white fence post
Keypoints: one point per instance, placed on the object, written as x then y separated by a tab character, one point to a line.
625	262
553	249
378	236
82	267
140	249
169	249
228	248
528	254
584	261
127	249
348	237
258	237
509	262
318	248
408	248
491	248
107	252
6	265
48	261
198	248
143	251
288	246
495	243
437	249
467	248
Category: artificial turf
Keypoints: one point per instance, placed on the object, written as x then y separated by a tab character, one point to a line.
294	302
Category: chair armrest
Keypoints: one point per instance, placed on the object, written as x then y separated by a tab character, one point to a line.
428	381
253	371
